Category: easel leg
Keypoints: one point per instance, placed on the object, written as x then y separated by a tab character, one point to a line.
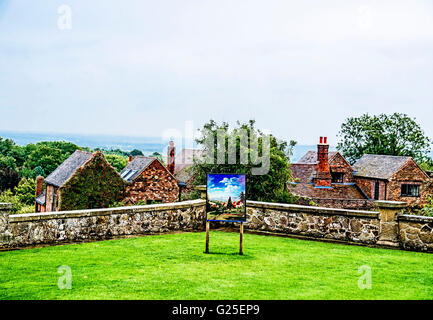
207	236
241	239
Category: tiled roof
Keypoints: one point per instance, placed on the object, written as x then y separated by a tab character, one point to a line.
136	167
311	157
379	166
185	174
303	172
63	172
337	191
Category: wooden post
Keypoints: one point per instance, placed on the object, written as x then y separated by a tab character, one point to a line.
207	236
241	245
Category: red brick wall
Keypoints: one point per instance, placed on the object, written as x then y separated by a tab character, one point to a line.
339	164
409	174
368	186
154	183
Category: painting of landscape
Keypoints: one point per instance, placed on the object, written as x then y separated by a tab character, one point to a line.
226	198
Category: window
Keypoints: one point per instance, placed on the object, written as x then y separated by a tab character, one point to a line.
337	177
376	190
409	190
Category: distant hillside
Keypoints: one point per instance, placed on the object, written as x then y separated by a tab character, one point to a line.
146	144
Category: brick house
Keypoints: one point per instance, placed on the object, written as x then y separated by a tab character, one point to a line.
72	185
327	179
393	178
147	179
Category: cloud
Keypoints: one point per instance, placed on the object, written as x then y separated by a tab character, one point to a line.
303	63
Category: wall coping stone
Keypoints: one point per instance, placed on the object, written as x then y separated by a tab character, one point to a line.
391	204
103	212
414	218
312	210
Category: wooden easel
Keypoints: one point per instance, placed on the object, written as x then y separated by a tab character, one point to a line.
241	242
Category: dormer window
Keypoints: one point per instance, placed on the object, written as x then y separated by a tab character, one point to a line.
410	190
337	177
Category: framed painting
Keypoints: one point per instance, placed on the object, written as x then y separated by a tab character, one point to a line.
226	197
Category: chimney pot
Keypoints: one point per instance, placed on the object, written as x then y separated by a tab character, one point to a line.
323	174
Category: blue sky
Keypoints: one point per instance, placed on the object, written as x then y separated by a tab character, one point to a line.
221	187
141	67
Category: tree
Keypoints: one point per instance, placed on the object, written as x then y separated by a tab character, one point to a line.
9	178
118	162
25	191
395	134
267	187
230	203
47	155
158	156
242	197
136	152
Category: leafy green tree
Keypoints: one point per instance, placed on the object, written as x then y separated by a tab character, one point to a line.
136	152
25	191
268	187
158	156
38	171
9	149
46	157
9	178
118	162
396	134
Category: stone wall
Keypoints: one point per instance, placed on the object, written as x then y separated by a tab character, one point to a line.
351	204
416	232
386	227
314	222
98	224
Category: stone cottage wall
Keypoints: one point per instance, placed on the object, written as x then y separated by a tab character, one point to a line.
314	222
98	224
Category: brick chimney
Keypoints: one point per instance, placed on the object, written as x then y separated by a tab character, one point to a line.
323	175
171	151
39	185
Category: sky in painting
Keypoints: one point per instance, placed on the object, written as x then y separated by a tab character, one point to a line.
141	67
222	186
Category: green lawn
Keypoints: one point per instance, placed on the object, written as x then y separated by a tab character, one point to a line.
174	266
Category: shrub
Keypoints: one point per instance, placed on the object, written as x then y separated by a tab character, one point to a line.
427	210
8	197
25	191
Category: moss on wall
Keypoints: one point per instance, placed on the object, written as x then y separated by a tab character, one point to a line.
95	185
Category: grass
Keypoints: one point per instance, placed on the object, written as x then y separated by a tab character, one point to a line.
173	266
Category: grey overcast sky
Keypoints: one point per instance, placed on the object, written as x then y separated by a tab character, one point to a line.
139	67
